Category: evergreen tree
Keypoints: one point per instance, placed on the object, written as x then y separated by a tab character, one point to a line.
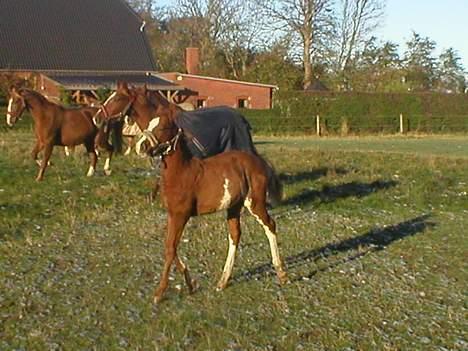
451	74
420	63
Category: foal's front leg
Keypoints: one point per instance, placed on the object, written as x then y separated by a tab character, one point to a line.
47	153
35	151
175	227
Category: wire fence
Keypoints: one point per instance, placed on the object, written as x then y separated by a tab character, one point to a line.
335	125
269	123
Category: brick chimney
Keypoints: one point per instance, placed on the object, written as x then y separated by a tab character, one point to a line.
192	60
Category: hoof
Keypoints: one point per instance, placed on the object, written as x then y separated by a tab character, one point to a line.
107	172
282	277
221	286
193	286
157	299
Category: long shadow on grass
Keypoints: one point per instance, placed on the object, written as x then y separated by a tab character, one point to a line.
291	178
332	193
374	240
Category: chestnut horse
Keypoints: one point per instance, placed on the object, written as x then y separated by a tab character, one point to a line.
142	106
57	125
192	187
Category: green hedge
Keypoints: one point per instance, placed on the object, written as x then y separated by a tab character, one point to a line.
295	113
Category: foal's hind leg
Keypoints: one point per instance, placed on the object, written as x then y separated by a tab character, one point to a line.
175	227
257	208
234	238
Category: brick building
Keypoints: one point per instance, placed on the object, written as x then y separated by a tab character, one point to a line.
211	91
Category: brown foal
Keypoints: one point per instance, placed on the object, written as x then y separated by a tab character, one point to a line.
191	187
57	125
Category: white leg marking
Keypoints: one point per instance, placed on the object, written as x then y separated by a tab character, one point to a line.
128	151
67	151
227	271
139	143
107	169
90	171
226	199
8	116
153	124
271	236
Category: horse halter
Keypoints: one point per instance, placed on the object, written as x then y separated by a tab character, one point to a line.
107	115
167	147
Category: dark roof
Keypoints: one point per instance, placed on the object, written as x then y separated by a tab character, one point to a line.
93	80
317	85
90	35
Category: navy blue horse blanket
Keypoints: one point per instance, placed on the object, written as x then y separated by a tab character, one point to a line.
211	131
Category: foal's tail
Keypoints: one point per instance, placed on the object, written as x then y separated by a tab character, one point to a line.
275	188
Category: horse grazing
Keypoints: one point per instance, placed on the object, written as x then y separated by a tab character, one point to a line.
57	125
192	187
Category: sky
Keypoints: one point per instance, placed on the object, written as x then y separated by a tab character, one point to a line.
443	21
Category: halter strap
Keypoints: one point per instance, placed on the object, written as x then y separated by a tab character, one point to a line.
107	116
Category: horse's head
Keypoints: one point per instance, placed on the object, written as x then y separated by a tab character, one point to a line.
160	138
16	105
118	104
142	110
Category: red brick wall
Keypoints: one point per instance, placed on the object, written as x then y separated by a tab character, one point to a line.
219	92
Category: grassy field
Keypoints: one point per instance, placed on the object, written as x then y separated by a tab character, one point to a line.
374	243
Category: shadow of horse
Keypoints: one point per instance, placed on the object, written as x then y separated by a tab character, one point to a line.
372	241
332	193
288	178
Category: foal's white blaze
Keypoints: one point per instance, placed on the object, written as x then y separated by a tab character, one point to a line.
90	171
271	236
110	98
9	110
153	124
227	271
226	199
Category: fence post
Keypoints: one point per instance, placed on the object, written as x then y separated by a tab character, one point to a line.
317	119
402	129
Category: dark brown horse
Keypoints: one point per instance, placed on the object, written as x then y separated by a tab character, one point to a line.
57	125
192	187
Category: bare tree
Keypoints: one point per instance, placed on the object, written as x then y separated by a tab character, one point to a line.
305	20
355	22
225	28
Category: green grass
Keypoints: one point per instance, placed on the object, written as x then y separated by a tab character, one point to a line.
374	242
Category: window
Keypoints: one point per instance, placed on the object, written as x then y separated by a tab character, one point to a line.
243	103
201	103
